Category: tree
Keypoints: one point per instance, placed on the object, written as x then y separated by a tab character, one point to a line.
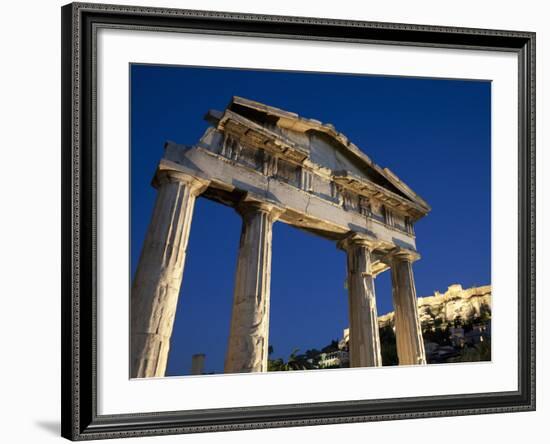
295	362
485	312
298	361
313	356
275	365
476	353
272	364
333	346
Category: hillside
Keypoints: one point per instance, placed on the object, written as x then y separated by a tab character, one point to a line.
453	305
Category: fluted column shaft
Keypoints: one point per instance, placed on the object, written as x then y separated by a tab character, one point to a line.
158	277
248	338
364	337
408	332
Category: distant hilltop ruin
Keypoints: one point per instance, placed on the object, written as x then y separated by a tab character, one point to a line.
445	308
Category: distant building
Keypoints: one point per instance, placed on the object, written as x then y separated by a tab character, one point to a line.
343	344
339	358
437	313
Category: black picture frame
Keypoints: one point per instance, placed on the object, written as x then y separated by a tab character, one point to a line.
79	170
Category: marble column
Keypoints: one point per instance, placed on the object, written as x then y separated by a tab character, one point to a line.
197	364
248	338
364	338
408	332
157	281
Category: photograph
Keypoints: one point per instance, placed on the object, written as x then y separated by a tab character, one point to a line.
276	221
295	221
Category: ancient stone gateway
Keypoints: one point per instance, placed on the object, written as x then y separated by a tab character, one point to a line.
273	165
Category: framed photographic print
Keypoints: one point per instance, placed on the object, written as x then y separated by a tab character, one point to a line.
277	221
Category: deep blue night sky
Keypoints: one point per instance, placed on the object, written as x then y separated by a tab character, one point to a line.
434	134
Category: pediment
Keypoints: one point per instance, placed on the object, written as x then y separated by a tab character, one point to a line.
318	145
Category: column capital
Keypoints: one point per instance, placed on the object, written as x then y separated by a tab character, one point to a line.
157	280
164	175
249	205
408	331
355	239
364	345
400	254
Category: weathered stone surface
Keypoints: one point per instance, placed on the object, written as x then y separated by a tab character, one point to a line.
408	334
159	273
326	184
272	164
303	209
364	340
248	338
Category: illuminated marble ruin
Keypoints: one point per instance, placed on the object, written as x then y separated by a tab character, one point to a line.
275	166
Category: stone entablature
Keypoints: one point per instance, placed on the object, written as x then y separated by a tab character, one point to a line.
294	150
272	165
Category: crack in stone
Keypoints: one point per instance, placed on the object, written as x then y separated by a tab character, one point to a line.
307	204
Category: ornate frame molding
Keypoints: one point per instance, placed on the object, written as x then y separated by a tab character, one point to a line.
80	420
